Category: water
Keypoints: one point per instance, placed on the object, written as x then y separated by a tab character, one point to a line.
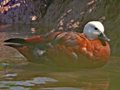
17	74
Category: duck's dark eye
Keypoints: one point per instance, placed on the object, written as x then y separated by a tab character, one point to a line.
96	28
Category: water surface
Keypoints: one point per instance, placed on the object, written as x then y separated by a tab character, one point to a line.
17	74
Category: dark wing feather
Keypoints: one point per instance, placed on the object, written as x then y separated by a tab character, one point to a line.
65	38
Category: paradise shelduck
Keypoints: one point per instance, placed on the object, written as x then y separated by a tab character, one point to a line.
67	48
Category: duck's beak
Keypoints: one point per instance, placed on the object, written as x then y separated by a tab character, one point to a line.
103	36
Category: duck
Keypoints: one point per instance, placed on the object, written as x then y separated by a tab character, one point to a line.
89	49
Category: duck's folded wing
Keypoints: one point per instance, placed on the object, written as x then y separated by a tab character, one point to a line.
65	38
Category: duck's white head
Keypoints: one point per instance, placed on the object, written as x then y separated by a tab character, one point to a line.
94	29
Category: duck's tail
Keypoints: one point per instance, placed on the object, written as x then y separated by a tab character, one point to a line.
14	45
16	40
32	40
26	47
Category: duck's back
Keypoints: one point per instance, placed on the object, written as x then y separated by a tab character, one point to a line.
67	39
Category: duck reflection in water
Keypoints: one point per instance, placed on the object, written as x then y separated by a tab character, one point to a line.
67	48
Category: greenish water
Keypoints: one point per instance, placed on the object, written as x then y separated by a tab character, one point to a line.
17	74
